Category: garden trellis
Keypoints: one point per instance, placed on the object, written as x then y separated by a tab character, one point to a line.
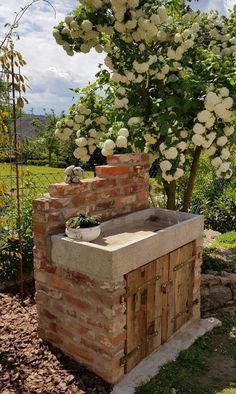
9	78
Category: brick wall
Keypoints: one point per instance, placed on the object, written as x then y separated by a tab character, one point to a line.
81	315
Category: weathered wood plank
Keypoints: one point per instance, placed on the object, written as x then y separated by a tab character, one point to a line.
164	261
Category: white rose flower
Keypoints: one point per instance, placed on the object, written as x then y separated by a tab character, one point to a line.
91	141
121	91
224	92
171	153
92	133
178	173
168	178
86	25
210	123
229	174
134	121
103	120
228	102
124	132
225	153
81	141
165	165
178	38
121	142
199	128
204	116
162	14
106	152
216	162
162	36
221	141
228	130
79	118
224	167
109	145
68	19
220	110
82	109
92	149
85	48
81	151
184	134
211	151
212	98
198	140
182	146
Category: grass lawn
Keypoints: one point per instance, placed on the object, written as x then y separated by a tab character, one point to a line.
38	177
225	241
207	367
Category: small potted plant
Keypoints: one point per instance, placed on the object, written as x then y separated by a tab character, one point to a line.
83	227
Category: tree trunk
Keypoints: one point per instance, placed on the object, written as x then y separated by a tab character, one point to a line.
192	178
171	195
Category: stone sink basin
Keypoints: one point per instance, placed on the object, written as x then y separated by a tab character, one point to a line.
127	243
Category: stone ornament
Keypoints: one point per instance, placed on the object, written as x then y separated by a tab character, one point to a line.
73	174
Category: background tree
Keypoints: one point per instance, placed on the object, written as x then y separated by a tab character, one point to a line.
169	90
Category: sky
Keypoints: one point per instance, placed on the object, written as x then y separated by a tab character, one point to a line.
50	71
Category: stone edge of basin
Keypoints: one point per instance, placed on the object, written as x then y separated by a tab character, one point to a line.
112	263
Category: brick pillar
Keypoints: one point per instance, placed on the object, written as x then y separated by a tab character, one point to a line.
79	314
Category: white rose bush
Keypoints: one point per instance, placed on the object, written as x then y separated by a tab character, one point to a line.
167	86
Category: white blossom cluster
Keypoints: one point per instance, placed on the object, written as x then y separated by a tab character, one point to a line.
222	42
86	141
173	159
217	115
121	142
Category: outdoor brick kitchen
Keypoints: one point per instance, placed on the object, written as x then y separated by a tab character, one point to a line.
110	303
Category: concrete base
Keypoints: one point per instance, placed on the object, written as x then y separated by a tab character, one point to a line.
167	352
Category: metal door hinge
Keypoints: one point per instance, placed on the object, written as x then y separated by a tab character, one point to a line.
124	360
187	310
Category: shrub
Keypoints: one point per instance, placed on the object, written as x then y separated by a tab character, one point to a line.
9	257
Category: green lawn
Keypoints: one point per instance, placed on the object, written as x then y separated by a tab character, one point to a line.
225	241
36	177
207	367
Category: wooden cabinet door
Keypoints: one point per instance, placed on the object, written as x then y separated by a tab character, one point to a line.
143	313
159	301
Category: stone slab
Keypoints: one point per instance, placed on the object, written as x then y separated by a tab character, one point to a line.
167	352
127	243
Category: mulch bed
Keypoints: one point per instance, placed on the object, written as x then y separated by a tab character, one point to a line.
28	364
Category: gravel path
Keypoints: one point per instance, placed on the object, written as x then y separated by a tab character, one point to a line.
29	365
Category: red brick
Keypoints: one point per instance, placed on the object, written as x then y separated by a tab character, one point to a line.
59	283
123	201
64	189
48	314
94	346
74	349
110	193
105	205
84	198
119	339
97	183
41	204
110	171
76	302
58	203
142	196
